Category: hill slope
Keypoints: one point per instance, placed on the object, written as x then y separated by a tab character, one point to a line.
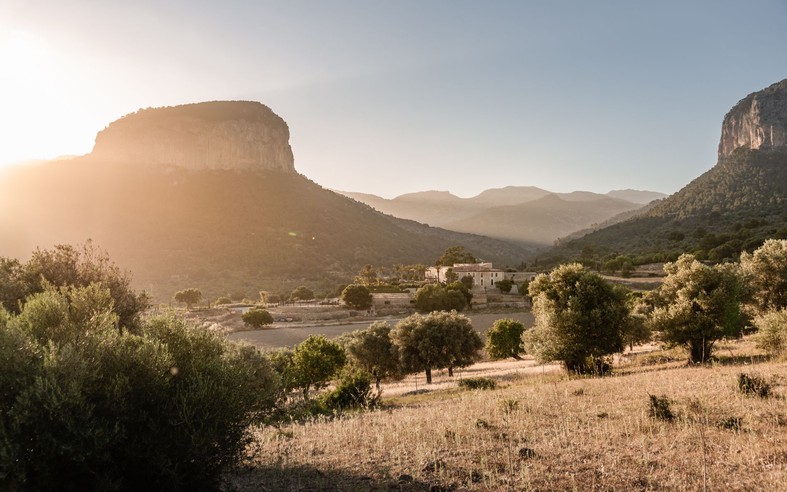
731	208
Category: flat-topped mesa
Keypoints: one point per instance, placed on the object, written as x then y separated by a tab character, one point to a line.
228	135
758	121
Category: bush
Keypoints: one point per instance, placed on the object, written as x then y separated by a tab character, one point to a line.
302	293
353	390
357	296
478	383
222	300
772	332
753	385
504	339
659	408
89	407
504	285
257	318
434	297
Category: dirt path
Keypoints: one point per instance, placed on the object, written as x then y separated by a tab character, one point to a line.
287	336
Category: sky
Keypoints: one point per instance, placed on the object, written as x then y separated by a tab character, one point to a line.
391	97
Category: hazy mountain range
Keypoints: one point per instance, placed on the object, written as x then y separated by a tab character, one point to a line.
519	213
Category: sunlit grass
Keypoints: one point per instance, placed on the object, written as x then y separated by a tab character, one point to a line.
552	432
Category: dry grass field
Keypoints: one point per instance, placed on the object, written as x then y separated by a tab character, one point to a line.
544	430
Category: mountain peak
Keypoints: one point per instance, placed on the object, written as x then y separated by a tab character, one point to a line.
241	135
758	121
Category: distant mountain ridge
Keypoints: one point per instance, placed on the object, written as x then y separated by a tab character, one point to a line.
519	213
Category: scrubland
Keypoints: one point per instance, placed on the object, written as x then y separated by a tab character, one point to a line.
544	430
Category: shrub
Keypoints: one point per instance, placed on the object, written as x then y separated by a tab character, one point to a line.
478	383
504	285
357	296
772	332
504	339
353	390
315	361
302	293
222	300
89	407
257	318
753	385
659	408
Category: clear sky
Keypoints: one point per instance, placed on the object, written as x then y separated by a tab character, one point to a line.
389	97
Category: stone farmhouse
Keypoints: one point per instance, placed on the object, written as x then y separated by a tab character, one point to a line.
484	274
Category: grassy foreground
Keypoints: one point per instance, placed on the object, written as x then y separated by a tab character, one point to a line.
548	432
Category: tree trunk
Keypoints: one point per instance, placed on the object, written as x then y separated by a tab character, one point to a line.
700	351
428	375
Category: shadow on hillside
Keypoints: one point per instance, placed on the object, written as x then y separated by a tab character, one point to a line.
305	478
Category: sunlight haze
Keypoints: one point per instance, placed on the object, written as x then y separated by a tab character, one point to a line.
390	98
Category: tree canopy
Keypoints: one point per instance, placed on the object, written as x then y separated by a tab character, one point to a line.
357	296
316	361
765	272
435	341
697	305
454	255
302	293
86	406
373	350
435	297
189	296
504	339
257	318
66	265
579	318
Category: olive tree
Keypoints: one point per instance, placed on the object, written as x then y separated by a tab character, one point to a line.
66	265
579	318
357	296
316	361
437	340
373	350
772	332
189	297
86	406
765	272
454	255
302	293
435	297
697	305
504	339
257	318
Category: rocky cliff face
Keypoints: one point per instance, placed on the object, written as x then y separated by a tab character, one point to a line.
241	135
759	121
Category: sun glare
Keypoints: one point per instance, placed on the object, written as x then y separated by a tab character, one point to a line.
34	100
